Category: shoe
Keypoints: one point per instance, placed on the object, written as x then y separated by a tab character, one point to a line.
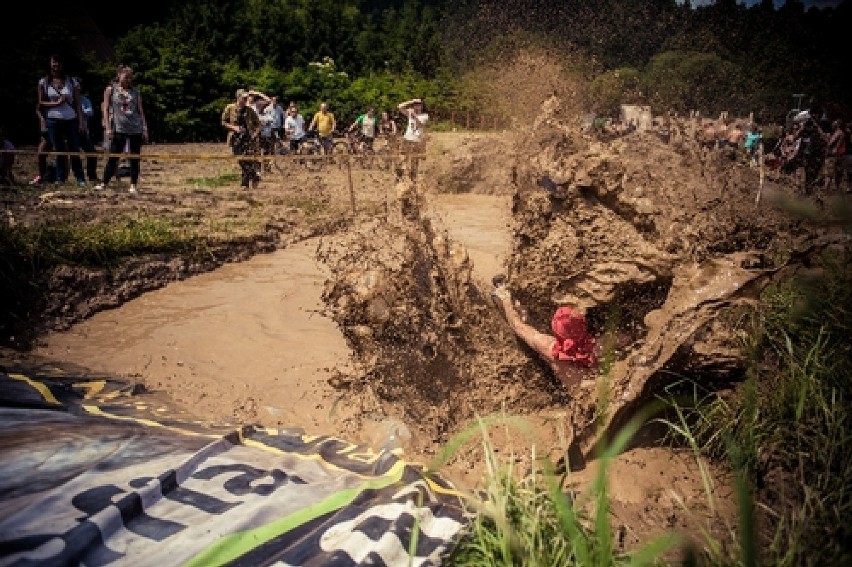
81	184
36	180
132	188
501	290
100	186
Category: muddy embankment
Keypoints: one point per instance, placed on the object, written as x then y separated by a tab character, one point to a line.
662	244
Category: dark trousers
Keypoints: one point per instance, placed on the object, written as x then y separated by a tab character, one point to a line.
64	136
116	146
88	147
249	168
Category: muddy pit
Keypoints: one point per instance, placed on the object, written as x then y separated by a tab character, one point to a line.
383	319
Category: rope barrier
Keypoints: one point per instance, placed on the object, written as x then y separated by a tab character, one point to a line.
227	157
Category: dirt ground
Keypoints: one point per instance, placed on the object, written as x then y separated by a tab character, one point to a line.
376	324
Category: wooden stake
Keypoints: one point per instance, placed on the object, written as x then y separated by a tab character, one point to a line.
762	174
351	186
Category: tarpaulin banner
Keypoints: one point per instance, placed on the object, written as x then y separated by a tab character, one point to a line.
94	472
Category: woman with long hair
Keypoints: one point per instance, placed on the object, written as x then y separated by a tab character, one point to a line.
59	97
127	126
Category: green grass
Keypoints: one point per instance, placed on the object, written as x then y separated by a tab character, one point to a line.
786	432
530	520
93	244
222	180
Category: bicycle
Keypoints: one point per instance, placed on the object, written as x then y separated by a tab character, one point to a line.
310	147
356	144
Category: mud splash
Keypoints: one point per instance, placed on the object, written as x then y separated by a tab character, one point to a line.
631	230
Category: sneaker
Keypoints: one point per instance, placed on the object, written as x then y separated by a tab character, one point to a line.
501	290
132	188
81	184
36	180
100	186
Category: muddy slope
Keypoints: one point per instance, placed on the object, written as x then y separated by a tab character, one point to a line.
661	243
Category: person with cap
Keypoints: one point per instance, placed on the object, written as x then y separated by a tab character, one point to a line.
571	352
243	126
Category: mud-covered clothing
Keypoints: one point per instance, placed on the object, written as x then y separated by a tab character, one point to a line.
573	343
244	142
233	115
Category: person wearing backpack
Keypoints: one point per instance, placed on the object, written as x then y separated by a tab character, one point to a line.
59	96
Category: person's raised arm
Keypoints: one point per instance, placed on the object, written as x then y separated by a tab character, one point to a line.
404	106
259	95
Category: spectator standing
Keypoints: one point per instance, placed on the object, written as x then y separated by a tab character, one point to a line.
325	124
278	117
266	113
812	148
367	123
722	133
735	138
708	135
413	139
59	96
388	127
127	126
417	118
87	143
294	125
7	160
835	149
243	126
752	143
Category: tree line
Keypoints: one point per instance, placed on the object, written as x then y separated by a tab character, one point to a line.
190	57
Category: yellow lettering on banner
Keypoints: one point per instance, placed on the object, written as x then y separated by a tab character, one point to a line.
92	388
40	387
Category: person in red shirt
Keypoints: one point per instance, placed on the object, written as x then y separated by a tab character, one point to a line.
571	351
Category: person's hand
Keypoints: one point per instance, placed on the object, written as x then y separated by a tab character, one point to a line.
501	293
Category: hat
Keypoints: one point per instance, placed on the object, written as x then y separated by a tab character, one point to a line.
241	93
573	341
